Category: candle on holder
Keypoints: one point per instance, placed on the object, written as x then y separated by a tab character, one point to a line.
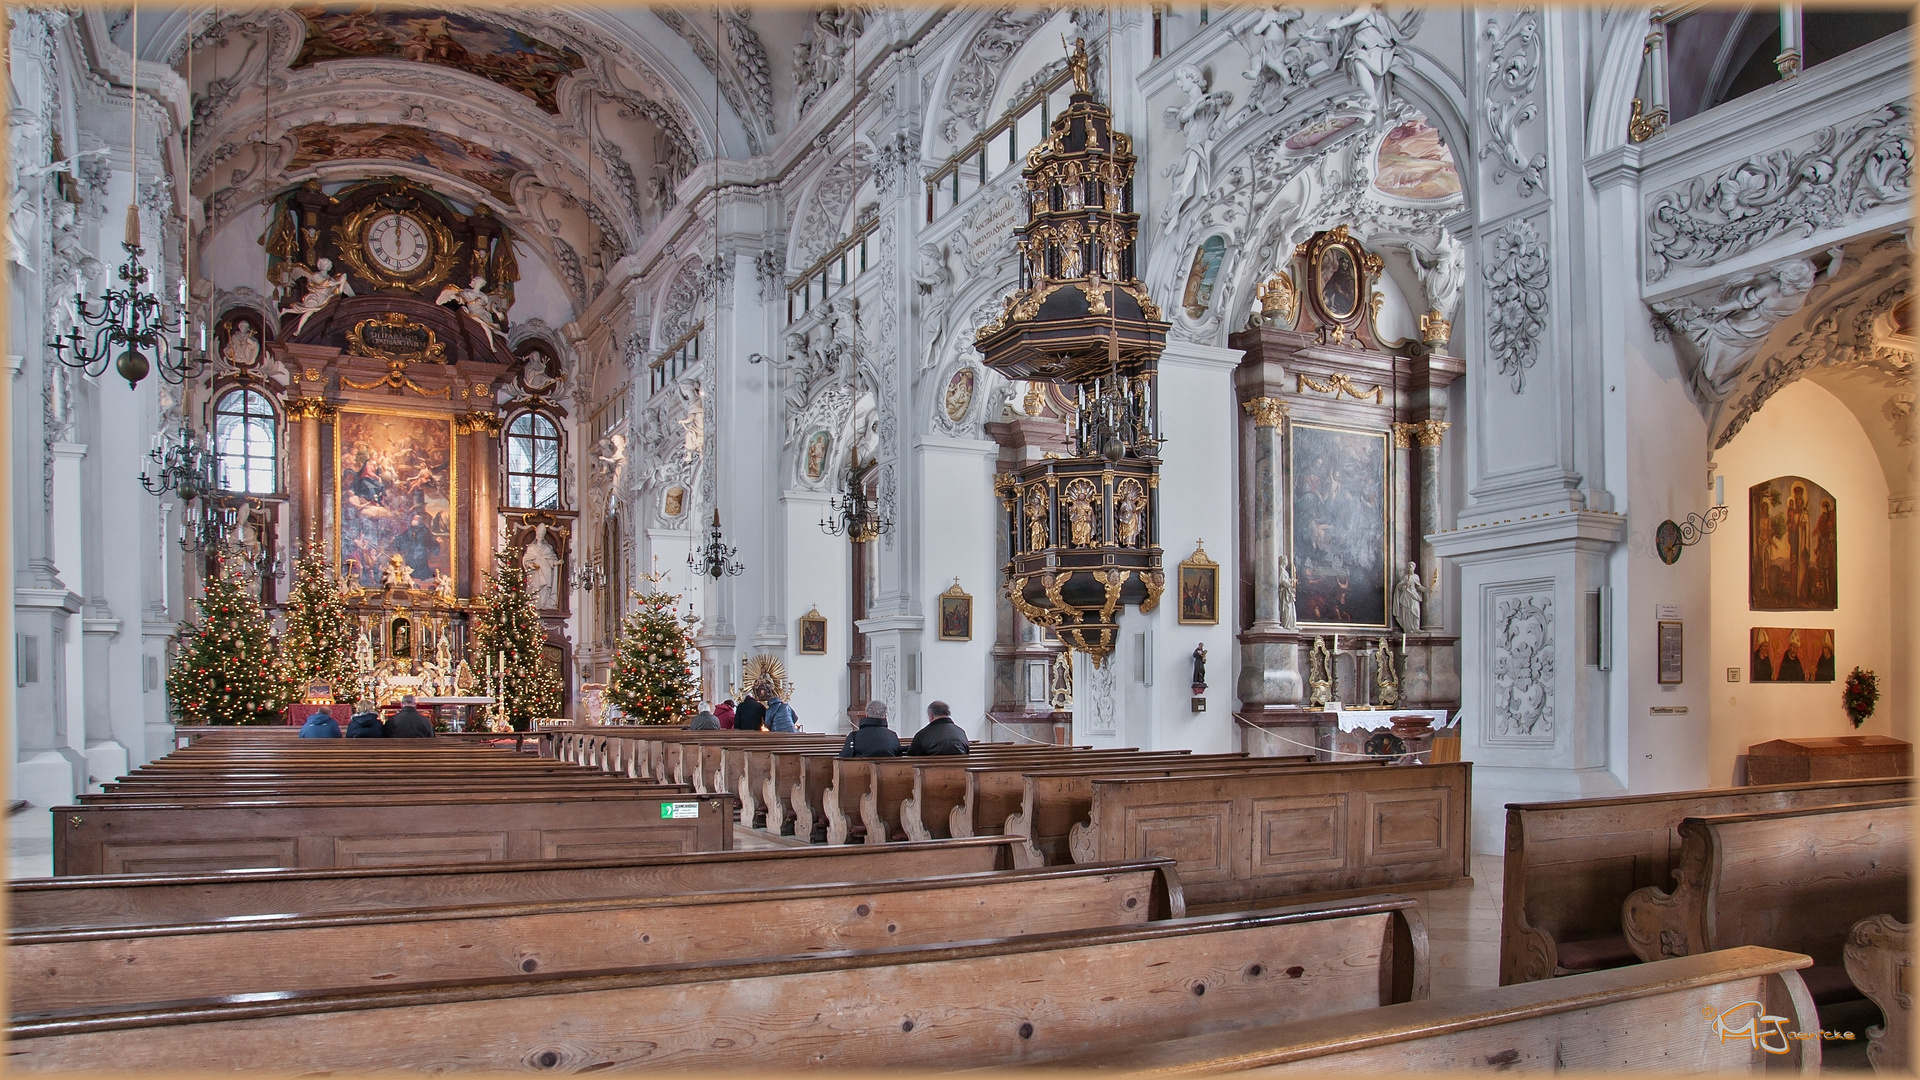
1403	643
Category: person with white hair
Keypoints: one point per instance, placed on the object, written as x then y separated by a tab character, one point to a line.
872	738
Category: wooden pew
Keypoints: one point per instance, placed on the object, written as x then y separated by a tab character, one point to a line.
1879	959
1789	879
1655	1018
989	793
1052	802
1570	865
1007	1001
145	899
374	830
1249	836
126	966
871	792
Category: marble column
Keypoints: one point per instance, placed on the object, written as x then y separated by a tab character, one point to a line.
1426	434
1272	658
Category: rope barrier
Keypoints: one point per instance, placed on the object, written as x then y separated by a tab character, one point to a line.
991	721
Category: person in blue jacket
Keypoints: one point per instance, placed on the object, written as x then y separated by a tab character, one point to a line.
320	726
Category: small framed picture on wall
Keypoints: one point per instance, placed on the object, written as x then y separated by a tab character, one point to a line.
1199	588
1672	653
813	633
956	614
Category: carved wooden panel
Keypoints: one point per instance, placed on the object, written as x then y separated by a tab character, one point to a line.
1194	833
610	843
400	850
168	857
1299	833
1406	826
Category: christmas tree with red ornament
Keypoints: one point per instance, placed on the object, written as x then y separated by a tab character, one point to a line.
653	680
229	669
319	640
508	646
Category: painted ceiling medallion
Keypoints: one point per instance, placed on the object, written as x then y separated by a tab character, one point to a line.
491	171
499	54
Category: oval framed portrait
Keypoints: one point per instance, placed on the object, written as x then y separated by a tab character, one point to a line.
1338	283
1667	542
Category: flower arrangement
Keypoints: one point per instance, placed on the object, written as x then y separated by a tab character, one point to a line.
1861	694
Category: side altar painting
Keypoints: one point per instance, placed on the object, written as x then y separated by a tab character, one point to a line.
393	479
1340	525
1794	541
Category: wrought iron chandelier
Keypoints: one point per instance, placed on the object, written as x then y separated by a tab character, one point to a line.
184	464
716	559
588	576
854	515
209	526
131	321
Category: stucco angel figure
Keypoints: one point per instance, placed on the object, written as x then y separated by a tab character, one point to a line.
323	288
1442	273
1408	596
1725	336
1274	49
441	586
478	305
610	467
1193	173
396	574
1369	53
934	281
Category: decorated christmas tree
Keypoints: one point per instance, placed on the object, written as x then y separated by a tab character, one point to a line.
652	680
318	643
510	635
229	670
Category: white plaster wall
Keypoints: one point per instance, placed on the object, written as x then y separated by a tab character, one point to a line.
819	570
958	515
1804	431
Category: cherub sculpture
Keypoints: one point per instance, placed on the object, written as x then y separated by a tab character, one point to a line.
323	288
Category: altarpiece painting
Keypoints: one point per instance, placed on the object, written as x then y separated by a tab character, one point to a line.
393	485
1340	524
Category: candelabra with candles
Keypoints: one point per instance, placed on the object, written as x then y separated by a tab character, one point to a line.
589	575
853	514
716	559
131	321
183	463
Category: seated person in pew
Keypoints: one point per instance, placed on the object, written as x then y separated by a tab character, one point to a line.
723	712
751	713
409	722
941	736
706	721
780	714
872	738
320	726
365	722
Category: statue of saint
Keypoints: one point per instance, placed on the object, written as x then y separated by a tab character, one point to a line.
1408	596
542	565
1289	591
1199	667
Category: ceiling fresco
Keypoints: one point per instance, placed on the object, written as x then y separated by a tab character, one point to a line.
490	170
1414	164
497	53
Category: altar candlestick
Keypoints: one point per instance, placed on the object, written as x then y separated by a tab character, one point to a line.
1403	643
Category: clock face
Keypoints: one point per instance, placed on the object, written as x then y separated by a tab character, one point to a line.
397	243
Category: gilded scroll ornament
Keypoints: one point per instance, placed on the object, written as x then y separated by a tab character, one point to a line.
1337	384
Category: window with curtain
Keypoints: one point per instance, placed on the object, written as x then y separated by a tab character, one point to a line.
246	440
533	462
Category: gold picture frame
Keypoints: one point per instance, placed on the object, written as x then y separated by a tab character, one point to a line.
813	633
343	420
1339	277
1199	588
956	614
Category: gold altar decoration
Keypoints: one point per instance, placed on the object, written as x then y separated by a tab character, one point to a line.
764	666
393	336
1279	300
1337	384
1083	529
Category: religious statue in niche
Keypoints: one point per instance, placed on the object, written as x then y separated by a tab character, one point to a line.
1794	540
1129	512
400	637
1289	616
242	348
542	565
323	288
1408	596
1078	497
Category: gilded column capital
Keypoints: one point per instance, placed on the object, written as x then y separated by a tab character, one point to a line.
309	408
1428	432
1402	435
1266	412
467	423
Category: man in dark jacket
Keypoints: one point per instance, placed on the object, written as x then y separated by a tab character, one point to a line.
871	738
409	722
365	723
941	736
751	713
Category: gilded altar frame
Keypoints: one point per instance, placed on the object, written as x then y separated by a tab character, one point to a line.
453	481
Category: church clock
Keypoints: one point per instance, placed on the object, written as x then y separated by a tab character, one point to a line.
398	244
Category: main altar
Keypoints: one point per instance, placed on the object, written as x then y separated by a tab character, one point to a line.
398	380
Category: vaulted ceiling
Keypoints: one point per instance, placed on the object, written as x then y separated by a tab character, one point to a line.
573	125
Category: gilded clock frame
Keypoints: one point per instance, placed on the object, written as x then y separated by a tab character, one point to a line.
351	238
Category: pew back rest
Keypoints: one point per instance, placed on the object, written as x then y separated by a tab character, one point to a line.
1570	865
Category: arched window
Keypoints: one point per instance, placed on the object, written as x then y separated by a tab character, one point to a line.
246	442
533	462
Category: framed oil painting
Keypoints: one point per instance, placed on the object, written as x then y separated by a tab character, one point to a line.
813	462
1793	544
393	482
1780	654
1340	525
813	633
956	614
1199	589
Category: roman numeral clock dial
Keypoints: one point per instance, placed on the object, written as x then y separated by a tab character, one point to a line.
398	244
